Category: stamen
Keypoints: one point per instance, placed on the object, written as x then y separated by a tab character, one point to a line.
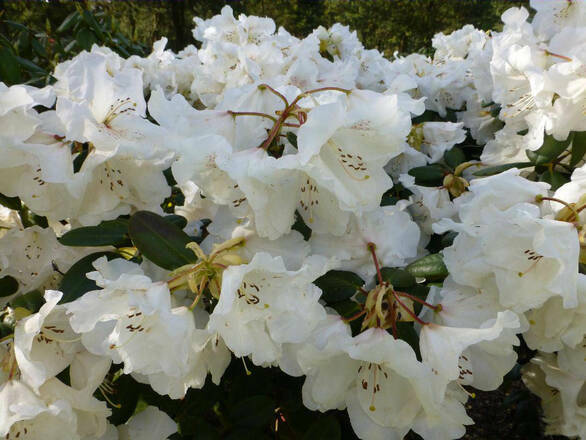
262	115
408	310
539	198
248	372
371	247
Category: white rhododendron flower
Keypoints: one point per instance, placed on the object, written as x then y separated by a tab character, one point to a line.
394	233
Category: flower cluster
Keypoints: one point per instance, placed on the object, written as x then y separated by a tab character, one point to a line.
390	230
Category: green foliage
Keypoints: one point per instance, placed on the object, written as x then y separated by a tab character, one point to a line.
338	285
430	267
54	32
160	240
549	150
75	283
112	232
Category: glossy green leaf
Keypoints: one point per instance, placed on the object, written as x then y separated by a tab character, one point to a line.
338	285
31	301
428	175
8	286
324	428
160	241
177	220
398	278
578	147
550	149
75	283
454	157
112	232
430	267
500	168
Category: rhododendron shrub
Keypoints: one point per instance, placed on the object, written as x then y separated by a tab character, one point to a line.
262	235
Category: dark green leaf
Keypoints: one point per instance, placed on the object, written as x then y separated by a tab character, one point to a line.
29	65
324	428
398	278
91	21
301	227
578	147
160	241
10	202
454	157
38	48
554	178
9	68
70	21
75	283
8	286
85	38
550	149
338	285
111	232
500	168
428	175
430	267
177	220
292	138
31	301
253	411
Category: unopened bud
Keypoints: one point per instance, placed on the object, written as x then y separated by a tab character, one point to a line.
455	185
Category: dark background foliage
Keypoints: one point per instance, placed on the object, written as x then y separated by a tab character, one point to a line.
37	35
132	26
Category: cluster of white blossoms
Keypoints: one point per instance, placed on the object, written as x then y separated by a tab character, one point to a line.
260	132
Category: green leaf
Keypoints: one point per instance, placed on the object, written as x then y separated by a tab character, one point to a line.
177	220
29	65
85	38
75	283
292	138
454	157
398	278
91	21
10	202
301	227
578	147
160	241
9	68
500	168
429	175
112	232
70	21
31	301
8	286
338	285
324	428
550	149
430	267
554	178
253	411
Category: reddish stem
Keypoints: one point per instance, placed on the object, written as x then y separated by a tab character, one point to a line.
276	93
413	315
355	316
371	247
419	300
